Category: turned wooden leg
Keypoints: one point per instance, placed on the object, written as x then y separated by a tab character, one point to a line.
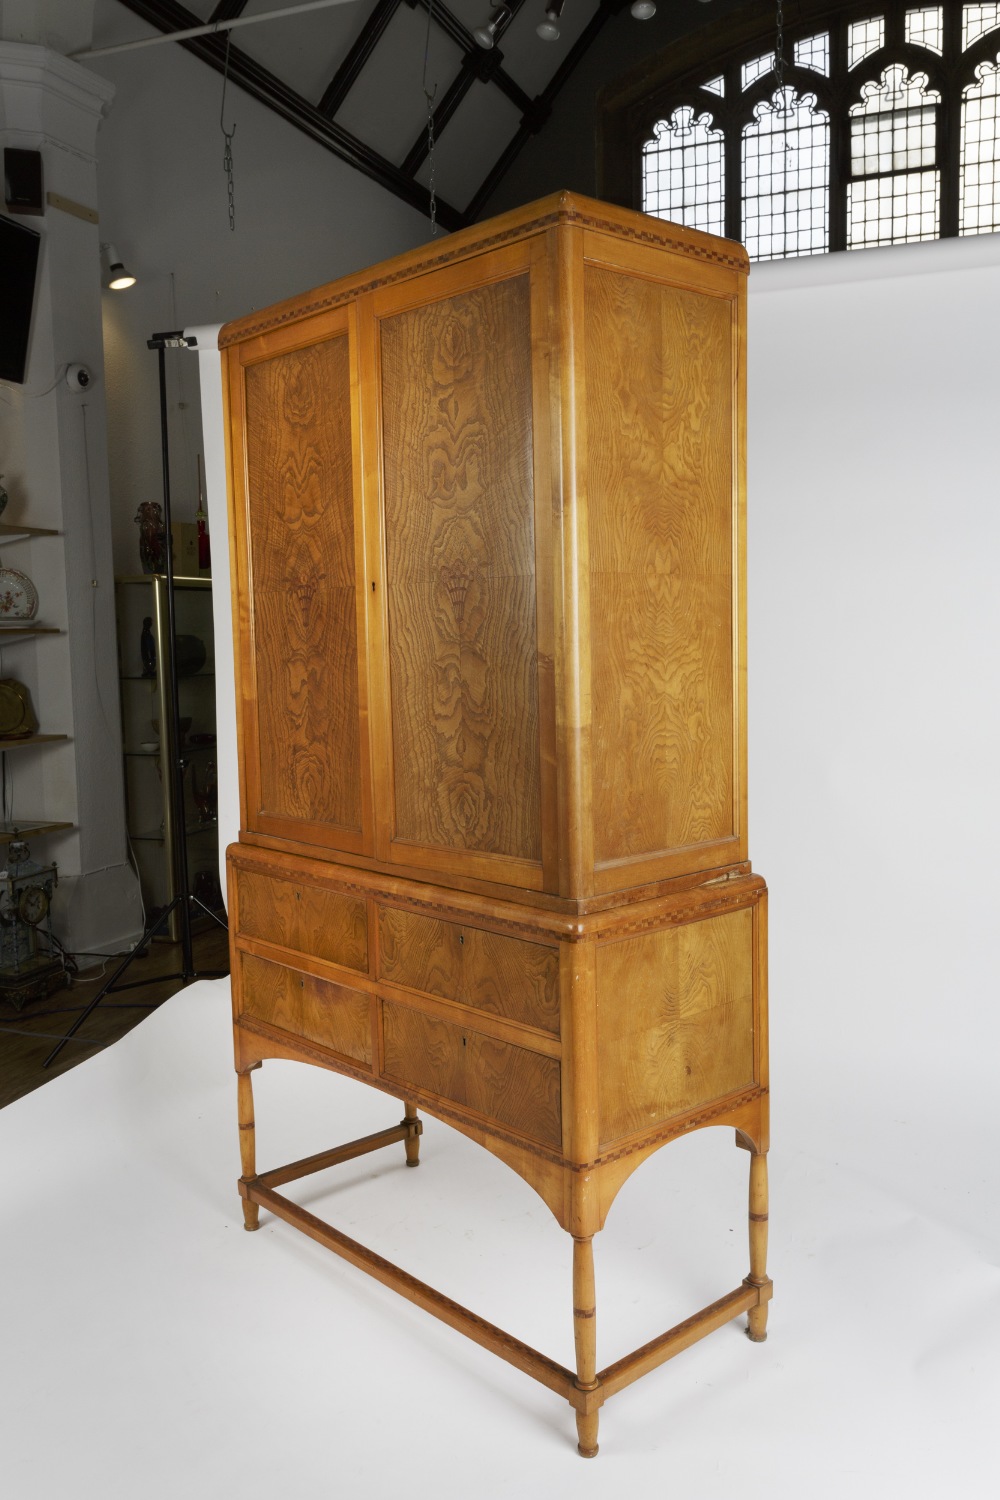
585	1335
248	1154
757	1316
412	1142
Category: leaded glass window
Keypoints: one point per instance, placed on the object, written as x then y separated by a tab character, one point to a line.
786	169
979	164
682	171
925	28
894	194
864	38
977	21
814	52
884	130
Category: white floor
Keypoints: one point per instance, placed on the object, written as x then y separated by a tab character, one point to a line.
150	1348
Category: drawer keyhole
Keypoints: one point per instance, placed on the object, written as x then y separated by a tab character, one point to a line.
461	938
463	1041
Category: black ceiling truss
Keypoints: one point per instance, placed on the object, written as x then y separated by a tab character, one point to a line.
347	74
166	15
317	121
228	10
541	107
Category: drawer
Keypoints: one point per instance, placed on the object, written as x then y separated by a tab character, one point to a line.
314	1009
503	976
507	1084
308	918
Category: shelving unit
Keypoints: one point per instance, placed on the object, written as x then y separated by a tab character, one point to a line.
14	633
145	700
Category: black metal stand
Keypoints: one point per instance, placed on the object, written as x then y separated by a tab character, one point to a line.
183	900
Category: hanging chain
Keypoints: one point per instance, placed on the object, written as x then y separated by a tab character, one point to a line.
227	159
429	96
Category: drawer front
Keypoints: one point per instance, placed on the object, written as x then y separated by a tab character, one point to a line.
505	1083
308	918
311	1008
502	976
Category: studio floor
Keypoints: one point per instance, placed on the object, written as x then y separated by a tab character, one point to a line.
152	1348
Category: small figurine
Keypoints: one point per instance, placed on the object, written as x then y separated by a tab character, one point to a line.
147	648
152	537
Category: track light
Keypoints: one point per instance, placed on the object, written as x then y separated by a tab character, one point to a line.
118	277
487	35
548	30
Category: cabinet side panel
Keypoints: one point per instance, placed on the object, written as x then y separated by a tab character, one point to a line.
301	540
459	536
659	403
674	1021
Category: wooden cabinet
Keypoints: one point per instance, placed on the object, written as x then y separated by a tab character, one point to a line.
488	505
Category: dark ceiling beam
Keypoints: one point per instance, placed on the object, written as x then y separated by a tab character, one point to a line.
478	62
347	74
255	80
533	119
228	10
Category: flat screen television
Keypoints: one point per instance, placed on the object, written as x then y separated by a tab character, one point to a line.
19	247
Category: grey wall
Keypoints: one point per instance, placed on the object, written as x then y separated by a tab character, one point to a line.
303	217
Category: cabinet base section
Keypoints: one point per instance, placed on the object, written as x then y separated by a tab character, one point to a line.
585	1396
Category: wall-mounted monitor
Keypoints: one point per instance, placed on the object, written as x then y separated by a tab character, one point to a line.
19	247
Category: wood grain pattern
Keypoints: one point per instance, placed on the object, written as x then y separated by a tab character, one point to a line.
303	584
486	970
305	1006
674	1021
505	1083
308	918
459	536
660	487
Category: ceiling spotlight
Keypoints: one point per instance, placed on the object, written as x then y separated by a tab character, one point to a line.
643	10
548	29
118	277
487	35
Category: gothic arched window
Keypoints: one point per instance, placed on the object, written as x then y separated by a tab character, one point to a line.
882	127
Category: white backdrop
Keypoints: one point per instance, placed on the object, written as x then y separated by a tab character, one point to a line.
151	1348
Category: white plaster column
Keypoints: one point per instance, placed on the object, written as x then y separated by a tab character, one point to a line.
53	453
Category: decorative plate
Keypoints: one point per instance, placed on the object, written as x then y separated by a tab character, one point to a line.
18	595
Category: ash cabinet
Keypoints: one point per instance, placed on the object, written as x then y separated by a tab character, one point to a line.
488	508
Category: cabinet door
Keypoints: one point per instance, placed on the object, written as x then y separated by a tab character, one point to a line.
300	550
467	691
664	424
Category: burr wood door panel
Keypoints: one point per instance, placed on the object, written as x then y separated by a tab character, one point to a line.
458	476
303	680
663	503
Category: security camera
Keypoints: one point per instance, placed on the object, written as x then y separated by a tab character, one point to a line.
79	377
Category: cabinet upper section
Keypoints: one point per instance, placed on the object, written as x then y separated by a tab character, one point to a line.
488	505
